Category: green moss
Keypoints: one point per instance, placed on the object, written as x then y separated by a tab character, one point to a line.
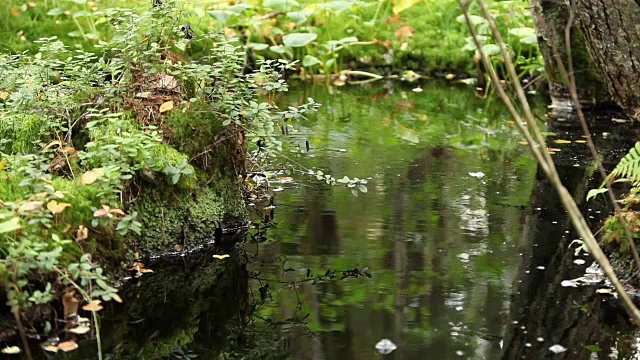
23	133
182	218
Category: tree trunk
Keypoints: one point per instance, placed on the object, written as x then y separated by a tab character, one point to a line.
605	45
612	33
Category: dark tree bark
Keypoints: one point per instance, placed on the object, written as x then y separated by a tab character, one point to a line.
605	46
611	29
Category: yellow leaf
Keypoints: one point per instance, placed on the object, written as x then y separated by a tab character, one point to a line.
12	350
581	141
4	95
56	207
52	144
166	106
91	176
117	298
67	346
523	142
221	256
80	330
561	141
401	5
15	12
93	306
30	206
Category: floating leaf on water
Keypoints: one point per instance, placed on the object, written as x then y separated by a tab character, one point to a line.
67	346
562	141
385	346
478	174
80	330
221	256
557	349
166	106
12	350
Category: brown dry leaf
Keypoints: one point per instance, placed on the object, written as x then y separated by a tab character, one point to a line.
52	144
229	32
67	346
404	31
69	150
4	95
15	12
80	330
93	306
82	233
167	82
166	106
70	304
117	211
56	207
394	18
221	256
30	206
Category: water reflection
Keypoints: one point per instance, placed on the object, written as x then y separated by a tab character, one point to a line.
442	245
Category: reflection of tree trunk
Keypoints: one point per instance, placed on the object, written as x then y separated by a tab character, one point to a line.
541	308
401	269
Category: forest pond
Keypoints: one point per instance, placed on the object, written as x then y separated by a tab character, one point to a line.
457	250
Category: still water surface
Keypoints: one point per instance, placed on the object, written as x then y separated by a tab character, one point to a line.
456	251
438	228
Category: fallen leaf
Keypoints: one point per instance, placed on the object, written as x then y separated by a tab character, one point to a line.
4	95
553	150
69	304
91	176
15	12
221	256
56	207
404	31
166	106
117	298
67	346
523	142
581	141
30	206
450	76
52	144
12	350
561	141
394	18
82	233
51	348
93	306
167	82
80	330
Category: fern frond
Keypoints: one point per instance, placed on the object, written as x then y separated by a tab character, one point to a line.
629	167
